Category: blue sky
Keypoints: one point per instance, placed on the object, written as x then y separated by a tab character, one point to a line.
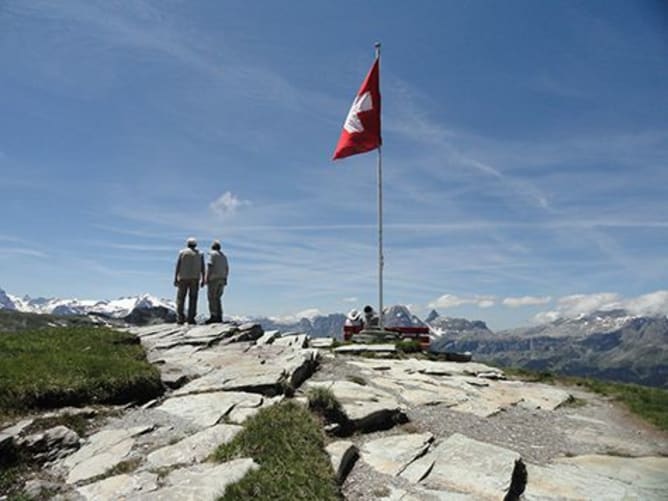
525	156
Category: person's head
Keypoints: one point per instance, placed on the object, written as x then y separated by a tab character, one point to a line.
354	314
191	242
215	245
368	310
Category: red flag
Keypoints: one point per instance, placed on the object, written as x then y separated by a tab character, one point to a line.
361	129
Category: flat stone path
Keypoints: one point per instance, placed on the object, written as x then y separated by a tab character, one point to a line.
576	445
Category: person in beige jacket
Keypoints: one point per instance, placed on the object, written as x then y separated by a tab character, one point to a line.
217	271
189	271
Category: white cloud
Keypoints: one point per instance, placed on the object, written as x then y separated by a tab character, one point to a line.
516	302
653	303
350	300
452	301
309	313
546	317
227	204
582	304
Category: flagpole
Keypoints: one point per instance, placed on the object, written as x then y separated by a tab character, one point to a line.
381	261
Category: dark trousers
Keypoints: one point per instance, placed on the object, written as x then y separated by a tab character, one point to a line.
215	293
189	287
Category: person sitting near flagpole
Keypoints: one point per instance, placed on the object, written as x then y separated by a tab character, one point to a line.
354	319
371	319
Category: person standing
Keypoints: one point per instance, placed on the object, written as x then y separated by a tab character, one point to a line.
217	271
189	271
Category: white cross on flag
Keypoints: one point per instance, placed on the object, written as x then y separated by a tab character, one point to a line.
361	129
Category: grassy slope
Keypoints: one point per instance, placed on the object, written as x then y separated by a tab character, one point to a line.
287	441
72	365
649	403
16	321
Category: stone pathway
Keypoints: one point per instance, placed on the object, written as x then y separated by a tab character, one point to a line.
467	426
464	426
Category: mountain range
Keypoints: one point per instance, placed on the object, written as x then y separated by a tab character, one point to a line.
610	345
135	310
605	344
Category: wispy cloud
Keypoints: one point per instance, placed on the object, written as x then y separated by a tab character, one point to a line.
20	251
308	314
516	302
455	149
575	305
452	301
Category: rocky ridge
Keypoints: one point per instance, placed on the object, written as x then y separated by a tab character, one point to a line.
425	429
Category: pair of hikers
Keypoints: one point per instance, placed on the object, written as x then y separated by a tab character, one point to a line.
191	273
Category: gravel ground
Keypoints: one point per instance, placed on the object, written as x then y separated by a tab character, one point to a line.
592	424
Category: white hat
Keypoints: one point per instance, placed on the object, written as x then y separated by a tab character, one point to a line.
354	314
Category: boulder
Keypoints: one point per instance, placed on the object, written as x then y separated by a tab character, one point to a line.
298	340
342	455
120	487
201	482
465	465
207	409
50	444
599	477
366	348
321	342
392	455
101	452
367	408
261	369
268	337
194	448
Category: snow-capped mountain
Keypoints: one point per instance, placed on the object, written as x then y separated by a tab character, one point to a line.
6	302
315	326
140	307
400	316
450	326
578	327
331	325
605	344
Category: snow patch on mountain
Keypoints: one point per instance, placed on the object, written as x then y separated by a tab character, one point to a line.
400	316
6	301
116	308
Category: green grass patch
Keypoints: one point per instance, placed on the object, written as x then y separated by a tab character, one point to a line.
287	442
55	367
75	422
648	402
408	346
324	403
